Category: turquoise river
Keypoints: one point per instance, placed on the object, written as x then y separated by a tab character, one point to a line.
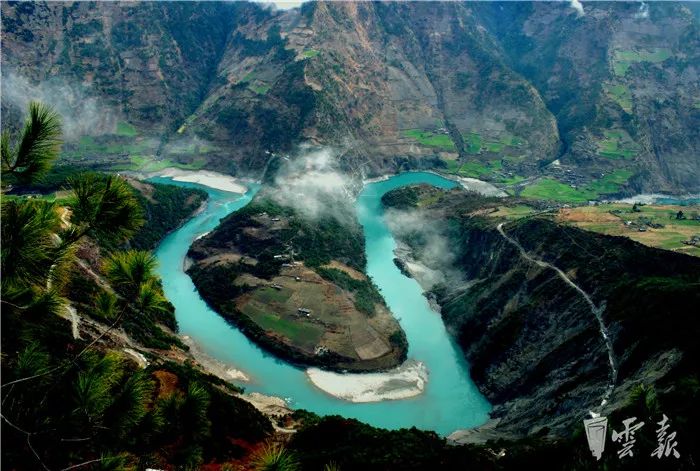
450	401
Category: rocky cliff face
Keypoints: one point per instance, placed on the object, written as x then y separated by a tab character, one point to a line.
622	73
509	87
150	63
533	341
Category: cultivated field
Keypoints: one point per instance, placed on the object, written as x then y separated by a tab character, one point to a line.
641	225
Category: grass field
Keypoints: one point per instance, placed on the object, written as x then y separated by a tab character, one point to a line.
472	142
300	333
474	168
259	88
621	95
126	129
309	53
551	189
622	60
612	219
431	139
514	180
617	145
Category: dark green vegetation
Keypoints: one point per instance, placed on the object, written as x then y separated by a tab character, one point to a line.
72	396
315	241
354	445
165	208
36	148
532	341
500	93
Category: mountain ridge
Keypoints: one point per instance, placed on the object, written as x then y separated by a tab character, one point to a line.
500	91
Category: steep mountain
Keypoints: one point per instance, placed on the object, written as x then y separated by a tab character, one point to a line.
555	321
501	91
149	62
621	79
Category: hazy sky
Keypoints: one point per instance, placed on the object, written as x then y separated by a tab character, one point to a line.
285	4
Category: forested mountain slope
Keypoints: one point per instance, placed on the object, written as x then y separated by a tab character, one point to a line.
494	90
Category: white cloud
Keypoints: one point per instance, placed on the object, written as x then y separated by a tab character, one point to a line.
313	185
434	252
283	4
578	6
643	11
80	113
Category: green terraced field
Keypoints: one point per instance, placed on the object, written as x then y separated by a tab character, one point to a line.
610	219
472	169
249	77
309	53
476	169
126	129
617	145
300	333
611	182
472	142
431	139
513	212
511	180
551	189
475	143
260	88
621	95
623	60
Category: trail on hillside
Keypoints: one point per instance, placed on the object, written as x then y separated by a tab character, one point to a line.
596	310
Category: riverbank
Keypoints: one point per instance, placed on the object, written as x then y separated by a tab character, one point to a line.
652	198
407	380
469	184
208	178
212	365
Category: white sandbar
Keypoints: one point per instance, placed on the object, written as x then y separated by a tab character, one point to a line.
405	381
208	178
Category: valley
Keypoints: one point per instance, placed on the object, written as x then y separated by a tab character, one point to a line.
349	235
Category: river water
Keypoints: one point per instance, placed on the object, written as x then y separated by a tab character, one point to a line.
450	401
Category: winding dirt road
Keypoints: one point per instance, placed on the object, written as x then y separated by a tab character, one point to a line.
596	310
